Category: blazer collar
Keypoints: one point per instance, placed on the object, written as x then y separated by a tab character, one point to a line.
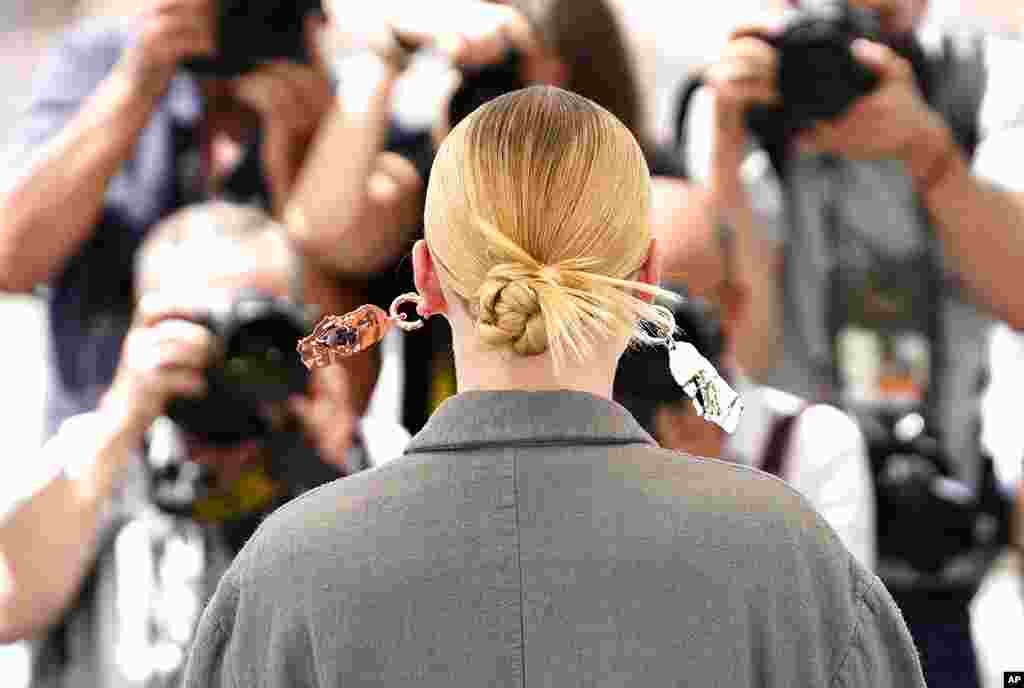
481	419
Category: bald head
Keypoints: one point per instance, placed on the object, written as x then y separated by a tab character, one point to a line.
693	254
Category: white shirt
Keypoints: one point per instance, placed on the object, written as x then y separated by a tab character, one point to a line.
384	437
826	461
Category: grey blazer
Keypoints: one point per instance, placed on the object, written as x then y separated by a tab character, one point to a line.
543	539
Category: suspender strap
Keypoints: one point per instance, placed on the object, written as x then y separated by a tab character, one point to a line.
777	448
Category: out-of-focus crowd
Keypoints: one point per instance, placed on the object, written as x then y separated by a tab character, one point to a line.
183	220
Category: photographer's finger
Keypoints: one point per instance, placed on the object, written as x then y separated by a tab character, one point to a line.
753	51
882	60
764	29
185	343
185	14
734	84
187	42
183	382
204	10
158	306
169	39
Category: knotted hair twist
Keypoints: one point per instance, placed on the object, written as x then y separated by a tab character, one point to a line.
510	313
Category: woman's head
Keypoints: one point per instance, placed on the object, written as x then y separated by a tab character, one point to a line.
537	221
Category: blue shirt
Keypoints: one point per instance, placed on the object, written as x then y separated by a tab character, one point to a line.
90	299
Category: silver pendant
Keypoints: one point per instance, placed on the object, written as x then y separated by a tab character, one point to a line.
712	396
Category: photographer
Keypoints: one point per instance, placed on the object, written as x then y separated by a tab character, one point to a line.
877	254
112	553
814	447
128	122
495	47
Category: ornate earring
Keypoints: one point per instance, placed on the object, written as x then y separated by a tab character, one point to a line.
712	396
338	336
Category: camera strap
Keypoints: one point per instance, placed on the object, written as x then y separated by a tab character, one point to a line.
780	440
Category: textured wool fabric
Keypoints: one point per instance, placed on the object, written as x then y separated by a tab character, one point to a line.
543	539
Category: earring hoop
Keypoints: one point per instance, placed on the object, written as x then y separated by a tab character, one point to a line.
401	320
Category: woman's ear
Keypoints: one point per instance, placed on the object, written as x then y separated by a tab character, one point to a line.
427	281
650	270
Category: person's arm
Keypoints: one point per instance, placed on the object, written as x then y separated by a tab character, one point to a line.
712	225
37	231
48	541
353	207
980	226
57	196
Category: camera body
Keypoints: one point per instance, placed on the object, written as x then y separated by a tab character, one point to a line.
250	33
926	516
256	368
818	75
483	84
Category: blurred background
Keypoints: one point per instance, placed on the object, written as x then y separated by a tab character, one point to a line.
666	47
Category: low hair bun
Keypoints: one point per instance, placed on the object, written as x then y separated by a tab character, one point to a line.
509	307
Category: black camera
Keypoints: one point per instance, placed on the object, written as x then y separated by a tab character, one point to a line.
256	369
483	84
926	516
818	75
250	33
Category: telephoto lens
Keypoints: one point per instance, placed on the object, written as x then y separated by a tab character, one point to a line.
257	368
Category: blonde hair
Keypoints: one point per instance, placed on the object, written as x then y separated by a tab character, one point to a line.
537	216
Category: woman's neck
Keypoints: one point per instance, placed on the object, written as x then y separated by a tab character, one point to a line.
482	370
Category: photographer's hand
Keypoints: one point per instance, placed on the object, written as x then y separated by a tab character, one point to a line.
292	100
170	32
476	34
745	75
163	356
892	122
327	415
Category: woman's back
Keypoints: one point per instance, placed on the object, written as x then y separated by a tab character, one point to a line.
533	534
541	538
